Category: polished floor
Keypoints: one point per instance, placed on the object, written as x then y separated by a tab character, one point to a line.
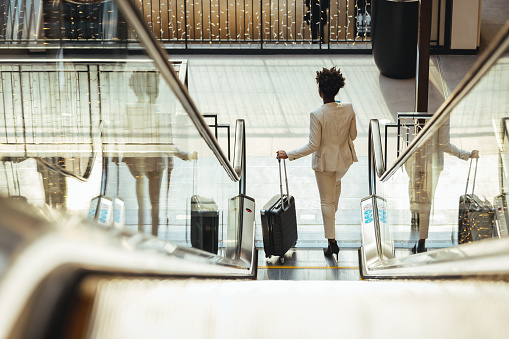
309	264
275	94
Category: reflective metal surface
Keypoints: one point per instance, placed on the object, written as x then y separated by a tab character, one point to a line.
375	155
41	248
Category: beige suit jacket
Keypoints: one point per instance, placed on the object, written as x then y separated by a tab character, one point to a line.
332	130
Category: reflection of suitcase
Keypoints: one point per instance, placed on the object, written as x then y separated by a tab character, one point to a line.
279	222
204	224
475	216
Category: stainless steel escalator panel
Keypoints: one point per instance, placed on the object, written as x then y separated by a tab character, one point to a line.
39	249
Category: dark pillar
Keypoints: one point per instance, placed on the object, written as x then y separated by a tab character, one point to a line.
394	26
422	73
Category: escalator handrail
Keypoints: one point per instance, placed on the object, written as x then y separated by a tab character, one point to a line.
161	61
239	154
485	61
65	249
376	162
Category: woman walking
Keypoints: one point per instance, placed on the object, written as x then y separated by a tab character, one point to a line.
331	133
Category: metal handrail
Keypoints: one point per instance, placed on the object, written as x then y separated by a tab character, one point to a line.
485	61
58	249
160	58
239	154
376	162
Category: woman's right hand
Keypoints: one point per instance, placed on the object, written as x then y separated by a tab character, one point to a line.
281	155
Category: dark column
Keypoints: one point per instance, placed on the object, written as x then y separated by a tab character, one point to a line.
394	28
422	73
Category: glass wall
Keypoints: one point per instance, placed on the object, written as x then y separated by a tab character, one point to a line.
105	138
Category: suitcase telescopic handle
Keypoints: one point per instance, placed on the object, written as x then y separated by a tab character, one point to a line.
118	175
475	175
281	183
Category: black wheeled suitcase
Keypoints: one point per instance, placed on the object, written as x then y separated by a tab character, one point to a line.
476	216
279	222
204	224
204	219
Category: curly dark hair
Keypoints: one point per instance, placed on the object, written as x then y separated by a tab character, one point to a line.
330	81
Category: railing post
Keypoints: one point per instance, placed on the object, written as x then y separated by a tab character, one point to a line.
185	23
423	40
261	24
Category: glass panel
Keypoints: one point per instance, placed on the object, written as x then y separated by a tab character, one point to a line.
429	198
107	140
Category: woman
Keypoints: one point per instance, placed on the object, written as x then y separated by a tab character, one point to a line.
331	133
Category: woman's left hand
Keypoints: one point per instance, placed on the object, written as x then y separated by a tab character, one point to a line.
281	154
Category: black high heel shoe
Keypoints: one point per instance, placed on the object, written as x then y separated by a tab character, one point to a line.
419	247
332	248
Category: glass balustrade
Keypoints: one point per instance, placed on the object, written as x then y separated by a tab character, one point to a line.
440	193
105	138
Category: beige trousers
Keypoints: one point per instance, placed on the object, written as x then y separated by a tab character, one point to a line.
329	187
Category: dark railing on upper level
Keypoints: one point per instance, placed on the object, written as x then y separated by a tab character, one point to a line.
200	24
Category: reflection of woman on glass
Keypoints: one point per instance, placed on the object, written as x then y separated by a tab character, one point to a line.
332	131
423	169
145	126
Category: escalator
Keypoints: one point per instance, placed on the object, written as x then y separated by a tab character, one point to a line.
106	166
430	175
63	276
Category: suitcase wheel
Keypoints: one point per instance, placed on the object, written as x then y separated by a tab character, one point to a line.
268	256
281	260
